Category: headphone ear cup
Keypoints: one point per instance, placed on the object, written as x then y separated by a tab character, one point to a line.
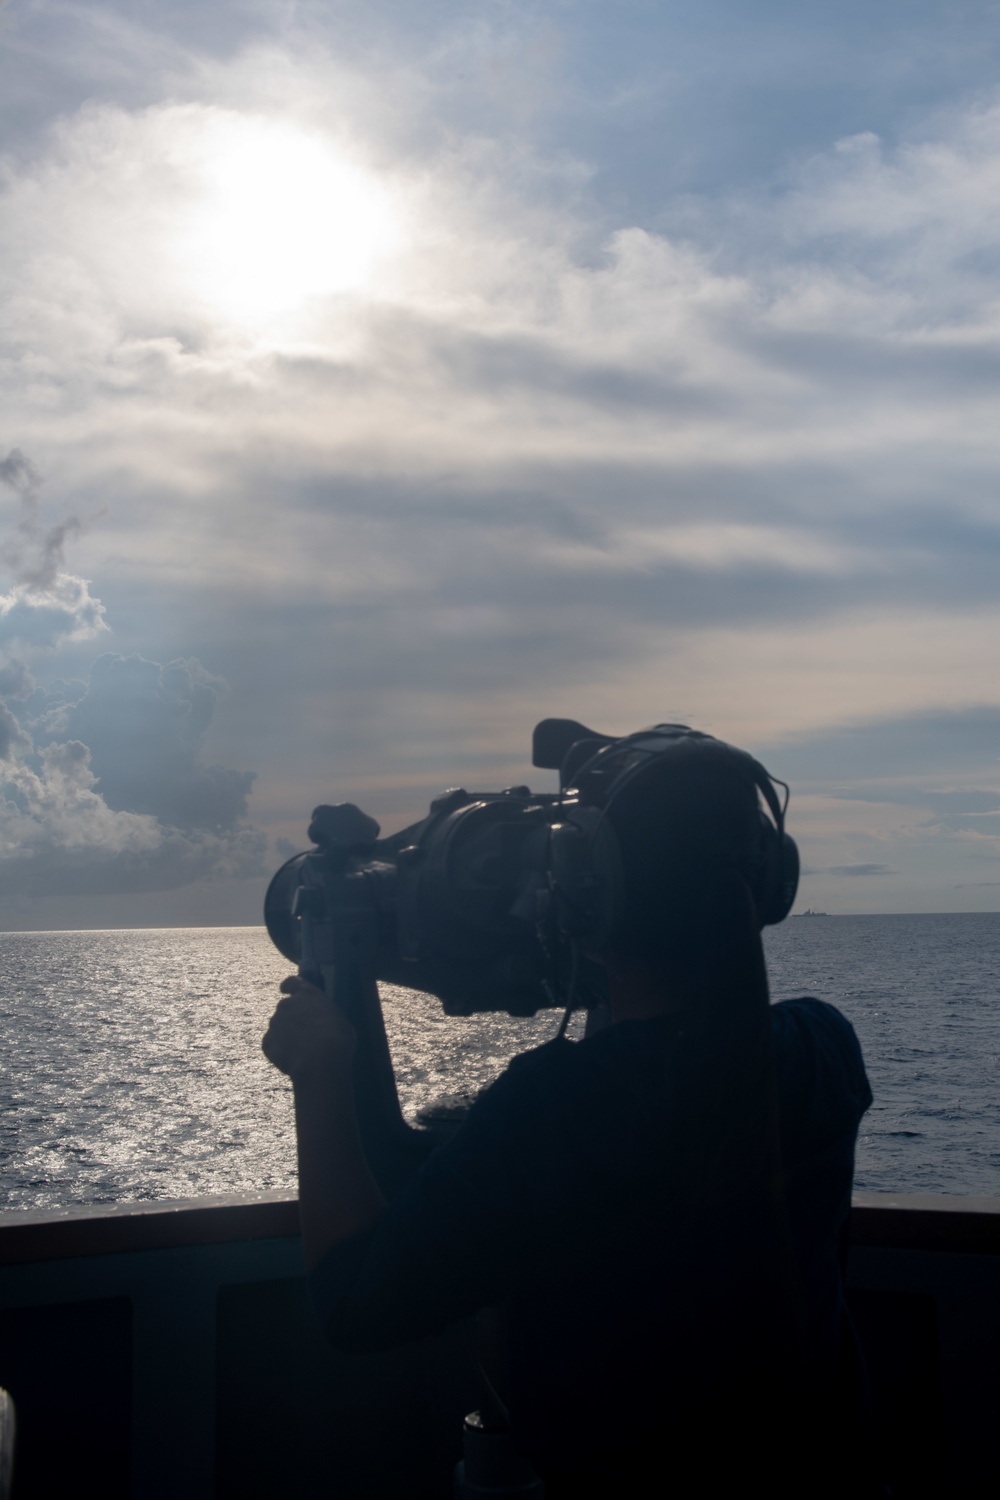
777	879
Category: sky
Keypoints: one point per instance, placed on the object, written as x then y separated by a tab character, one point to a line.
378	379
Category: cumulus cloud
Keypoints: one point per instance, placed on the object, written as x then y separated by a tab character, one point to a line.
46	605
15	680
145	726
12	737
104	786
61	837
36	615
142	811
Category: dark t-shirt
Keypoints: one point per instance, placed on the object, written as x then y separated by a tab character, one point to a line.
646	1293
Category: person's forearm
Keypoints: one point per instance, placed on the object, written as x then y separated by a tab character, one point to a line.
338	1196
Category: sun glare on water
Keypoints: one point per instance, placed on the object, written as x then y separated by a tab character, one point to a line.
281	219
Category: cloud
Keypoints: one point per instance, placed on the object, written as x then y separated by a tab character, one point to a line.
31	615
104	786
46	605
12	736
969	811
140	812
913	797
61	837
37	553
17	471
585	442
15	680
891	758
145	727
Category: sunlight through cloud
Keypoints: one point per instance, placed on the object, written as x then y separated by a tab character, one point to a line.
281	218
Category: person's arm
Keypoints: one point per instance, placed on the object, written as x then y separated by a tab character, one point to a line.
311	1040
455	1236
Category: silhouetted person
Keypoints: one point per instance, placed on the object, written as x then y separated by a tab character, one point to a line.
661	1207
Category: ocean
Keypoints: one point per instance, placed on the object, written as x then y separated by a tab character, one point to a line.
133	1066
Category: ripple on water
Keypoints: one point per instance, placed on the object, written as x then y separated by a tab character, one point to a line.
135	1070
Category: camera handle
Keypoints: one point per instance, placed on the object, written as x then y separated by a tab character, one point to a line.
335	917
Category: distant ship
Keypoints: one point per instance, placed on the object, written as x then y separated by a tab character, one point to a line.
809	912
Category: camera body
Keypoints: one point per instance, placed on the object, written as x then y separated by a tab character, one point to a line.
484	903
454	905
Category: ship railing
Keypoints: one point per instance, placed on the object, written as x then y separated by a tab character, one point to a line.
172	1345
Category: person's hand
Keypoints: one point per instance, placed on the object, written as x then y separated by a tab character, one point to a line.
309	1033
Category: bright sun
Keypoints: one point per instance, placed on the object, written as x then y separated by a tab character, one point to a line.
281	219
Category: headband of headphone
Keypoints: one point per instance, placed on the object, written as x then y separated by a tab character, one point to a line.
586	860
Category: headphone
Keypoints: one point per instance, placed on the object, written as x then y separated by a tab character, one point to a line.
585	860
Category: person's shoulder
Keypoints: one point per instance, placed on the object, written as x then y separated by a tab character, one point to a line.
545	1079
817	1039
807	1014
510	1111
581	1059
554	1053
539	1066
527	1073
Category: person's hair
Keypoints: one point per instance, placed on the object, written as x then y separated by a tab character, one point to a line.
682	837
690	845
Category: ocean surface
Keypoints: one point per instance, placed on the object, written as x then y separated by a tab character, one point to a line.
132	1065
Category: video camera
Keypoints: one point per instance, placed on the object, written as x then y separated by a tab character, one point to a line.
458	905
479	902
